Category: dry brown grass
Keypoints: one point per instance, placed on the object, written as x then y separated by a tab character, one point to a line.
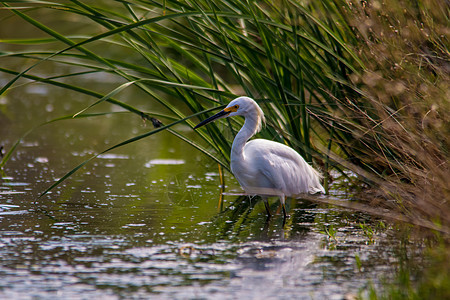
406	51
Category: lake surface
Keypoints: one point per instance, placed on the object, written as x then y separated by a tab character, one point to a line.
148	219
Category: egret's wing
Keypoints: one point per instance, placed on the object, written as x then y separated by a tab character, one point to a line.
284	168
285	174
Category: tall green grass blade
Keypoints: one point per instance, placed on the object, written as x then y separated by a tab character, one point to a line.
78	89
149	81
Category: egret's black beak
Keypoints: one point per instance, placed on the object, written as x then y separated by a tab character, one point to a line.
219	115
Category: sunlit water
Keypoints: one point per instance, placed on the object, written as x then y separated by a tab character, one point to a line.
148	219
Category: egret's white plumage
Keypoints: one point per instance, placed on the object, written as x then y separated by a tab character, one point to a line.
265	167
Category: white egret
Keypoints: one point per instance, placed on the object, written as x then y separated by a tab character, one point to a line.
264	167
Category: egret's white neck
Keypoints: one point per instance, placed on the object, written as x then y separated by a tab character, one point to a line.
250	127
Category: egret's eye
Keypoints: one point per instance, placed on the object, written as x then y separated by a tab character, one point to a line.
236	106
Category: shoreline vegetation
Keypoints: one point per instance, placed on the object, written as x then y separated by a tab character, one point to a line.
360	86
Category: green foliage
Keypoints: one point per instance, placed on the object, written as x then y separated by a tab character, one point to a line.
358	262
368	231
330	231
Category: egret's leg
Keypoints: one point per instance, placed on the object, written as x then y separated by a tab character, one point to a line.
266	204
282	200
